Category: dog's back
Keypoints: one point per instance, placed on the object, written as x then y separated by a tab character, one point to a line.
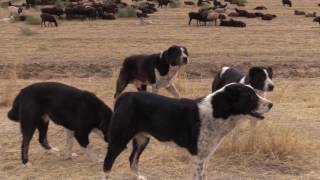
226	76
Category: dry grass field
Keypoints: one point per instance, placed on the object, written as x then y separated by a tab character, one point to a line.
87	54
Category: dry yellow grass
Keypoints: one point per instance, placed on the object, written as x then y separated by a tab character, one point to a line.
87	55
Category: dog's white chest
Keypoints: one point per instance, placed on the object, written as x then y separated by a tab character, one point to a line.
165	80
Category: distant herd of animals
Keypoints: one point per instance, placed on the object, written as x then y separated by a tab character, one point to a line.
91	10
197	125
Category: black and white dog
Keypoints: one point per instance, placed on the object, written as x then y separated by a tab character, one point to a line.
196	125
78	111
157	70
260	78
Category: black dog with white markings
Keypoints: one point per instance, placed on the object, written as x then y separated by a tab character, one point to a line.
157	70
196	125
78	111
260	78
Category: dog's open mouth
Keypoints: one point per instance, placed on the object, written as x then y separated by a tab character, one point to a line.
257	115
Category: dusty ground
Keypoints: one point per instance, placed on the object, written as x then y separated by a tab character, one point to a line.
88	54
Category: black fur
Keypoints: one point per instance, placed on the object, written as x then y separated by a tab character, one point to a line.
77	110
255	77
232	23
287	2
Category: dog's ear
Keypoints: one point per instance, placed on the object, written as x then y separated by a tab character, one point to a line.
253	72
172	54
270	72
232	93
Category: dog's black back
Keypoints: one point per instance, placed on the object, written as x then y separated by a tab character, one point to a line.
76	110
231	75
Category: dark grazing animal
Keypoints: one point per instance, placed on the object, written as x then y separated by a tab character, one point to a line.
157	70
190	3
78	111
163	3
299	13
233	14
314	14
242	13
317	19
53	11
268	17
198	16
232	23
48	18
198	126
287	3
260	8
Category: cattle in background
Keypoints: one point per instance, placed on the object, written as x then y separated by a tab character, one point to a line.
287	3
53	11
48	18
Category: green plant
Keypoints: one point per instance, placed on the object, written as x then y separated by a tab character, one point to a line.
174	4
127	12
26	31
33	20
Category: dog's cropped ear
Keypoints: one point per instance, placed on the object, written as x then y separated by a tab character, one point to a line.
172	54
232	93
270	72
253	72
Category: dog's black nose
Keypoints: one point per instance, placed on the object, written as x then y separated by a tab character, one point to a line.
270	105
271	87
185	60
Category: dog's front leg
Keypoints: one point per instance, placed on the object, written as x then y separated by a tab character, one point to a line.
200	166
173	90
69	144
91	154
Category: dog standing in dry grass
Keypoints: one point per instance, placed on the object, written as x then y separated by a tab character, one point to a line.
199	126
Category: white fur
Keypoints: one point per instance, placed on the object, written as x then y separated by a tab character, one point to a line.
27	165
166	80
68	144
223	70
268	81
184	55
242	80
46	118
212	131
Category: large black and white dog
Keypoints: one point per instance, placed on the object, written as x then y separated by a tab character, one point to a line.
196	125
260	78
157	70
78	111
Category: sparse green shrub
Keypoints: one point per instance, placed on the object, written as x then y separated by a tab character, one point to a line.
26	31
127	12
175	3
33	20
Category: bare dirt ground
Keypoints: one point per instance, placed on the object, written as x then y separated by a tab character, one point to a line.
87	54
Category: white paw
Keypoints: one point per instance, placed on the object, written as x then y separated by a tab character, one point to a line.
141	178
55	149
74	155
28	164
105	176
70	156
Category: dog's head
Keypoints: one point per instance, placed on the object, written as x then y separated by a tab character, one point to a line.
176	55
238	99
260	78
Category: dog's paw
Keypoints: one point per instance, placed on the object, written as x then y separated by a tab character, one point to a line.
27	165
141	178
74	155
55	149
70	156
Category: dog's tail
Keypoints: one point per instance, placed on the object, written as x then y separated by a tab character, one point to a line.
13	114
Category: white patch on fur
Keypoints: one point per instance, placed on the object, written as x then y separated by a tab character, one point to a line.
263	105
184	55
52	150
212	131
223	70
164	81
68	144
242	80
268	81
161	54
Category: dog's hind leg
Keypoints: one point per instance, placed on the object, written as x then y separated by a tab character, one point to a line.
43	129
28	126
122	83
83	139
139	143
173	90
68	145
